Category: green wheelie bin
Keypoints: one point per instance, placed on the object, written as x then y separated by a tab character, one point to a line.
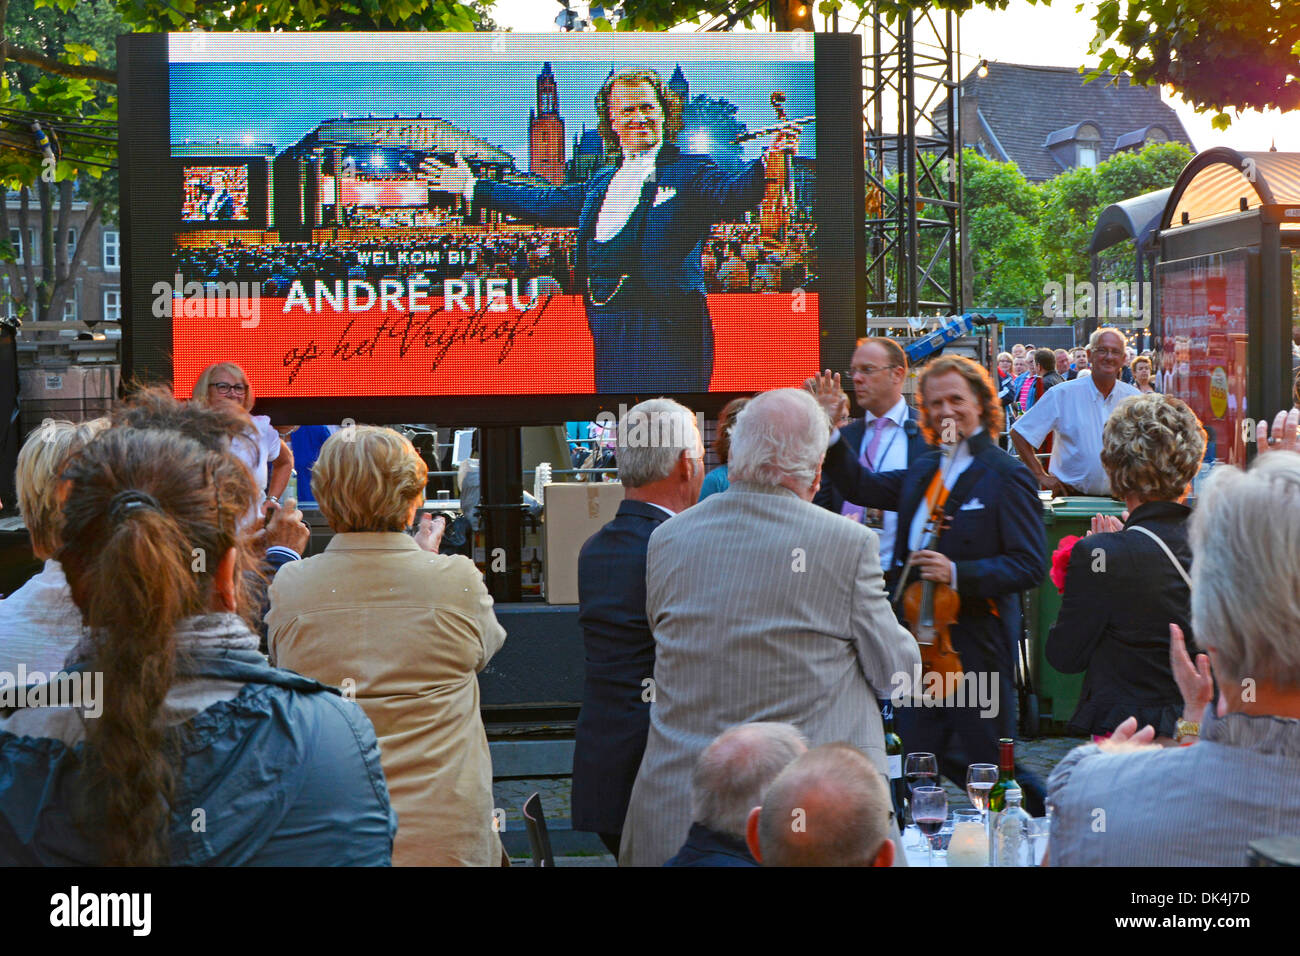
1057	693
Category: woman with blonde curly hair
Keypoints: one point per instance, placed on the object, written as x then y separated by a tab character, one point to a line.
407	630
1127	582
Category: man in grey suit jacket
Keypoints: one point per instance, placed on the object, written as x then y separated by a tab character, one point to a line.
764	607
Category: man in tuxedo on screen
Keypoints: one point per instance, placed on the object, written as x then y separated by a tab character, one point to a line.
641	230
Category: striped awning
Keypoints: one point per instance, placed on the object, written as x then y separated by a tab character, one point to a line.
1224	182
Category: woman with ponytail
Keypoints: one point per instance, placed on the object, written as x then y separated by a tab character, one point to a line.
185	747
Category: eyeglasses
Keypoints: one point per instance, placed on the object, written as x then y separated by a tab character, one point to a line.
225	388
1107	351
869	369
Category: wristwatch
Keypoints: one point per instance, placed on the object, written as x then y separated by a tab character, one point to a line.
1185	728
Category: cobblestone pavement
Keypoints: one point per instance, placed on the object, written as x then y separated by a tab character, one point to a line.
1038	756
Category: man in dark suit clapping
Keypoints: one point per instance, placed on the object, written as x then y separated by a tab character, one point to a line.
661	477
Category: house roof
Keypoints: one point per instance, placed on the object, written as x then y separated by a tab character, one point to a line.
1031	108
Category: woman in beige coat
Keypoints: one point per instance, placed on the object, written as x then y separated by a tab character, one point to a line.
407	630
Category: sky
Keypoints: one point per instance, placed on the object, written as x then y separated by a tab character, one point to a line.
279	103
1022	33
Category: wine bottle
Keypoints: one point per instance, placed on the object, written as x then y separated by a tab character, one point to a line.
894	755
1006	775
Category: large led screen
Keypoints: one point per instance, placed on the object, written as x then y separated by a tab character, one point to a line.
376	221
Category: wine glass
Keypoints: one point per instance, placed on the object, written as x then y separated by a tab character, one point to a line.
980	778
920	770
929	812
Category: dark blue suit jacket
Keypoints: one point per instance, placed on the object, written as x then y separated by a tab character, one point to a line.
689	194
830	498
996	538
620	654
705	847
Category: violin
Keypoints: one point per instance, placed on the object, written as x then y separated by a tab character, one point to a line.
930	609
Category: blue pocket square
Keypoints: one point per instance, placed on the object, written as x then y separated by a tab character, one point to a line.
973	505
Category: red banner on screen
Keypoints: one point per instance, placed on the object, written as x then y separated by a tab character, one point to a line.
398	347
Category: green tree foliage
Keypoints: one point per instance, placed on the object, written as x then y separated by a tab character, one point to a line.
1219	54
303	15
54	52
1072	201
1002	213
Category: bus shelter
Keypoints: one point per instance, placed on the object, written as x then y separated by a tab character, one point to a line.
1225	317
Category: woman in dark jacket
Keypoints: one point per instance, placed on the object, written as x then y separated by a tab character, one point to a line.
1126	583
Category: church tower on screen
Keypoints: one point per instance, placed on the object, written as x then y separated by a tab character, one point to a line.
546	131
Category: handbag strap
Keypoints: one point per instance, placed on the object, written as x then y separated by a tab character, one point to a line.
1165	548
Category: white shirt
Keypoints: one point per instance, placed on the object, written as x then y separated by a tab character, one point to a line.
669	512
1076	412
624	193
255	448
891	455
39	624
961	459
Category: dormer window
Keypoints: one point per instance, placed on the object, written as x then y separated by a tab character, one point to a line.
1087	146
1077	145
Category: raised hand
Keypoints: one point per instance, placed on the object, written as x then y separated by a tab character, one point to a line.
829	394
448	179
1284	435
785	140
429	535
1195	682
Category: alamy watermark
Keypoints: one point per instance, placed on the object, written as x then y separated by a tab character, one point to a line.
639	429
937	689
1114	300
196	300
80	689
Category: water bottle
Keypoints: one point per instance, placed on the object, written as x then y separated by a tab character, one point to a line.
1011	833
541	478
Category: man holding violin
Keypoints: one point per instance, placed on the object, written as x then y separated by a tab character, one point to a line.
991	547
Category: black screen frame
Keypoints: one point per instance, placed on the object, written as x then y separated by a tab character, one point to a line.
148	227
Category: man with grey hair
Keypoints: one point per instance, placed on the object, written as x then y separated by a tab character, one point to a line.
730	779
661	466
1075	412
1204	804
764	607
828	808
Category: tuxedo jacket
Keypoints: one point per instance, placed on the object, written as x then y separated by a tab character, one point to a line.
996	538
686	196
620	654
829	497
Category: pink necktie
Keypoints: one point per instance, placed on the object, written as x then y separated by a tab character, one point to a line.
868	458
879	426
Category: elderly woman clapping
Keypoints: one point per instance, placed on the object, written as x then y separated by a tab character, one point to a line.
1127	582
407	631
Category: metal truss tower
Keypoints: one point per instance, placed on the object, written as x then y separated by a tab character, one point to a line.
913	158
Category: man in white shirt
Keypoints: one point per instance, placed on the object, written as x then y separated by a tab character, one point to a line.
641	229
1075	412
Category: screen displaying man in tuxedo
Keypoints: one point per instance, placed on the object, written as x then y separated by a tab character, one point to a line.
641	229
